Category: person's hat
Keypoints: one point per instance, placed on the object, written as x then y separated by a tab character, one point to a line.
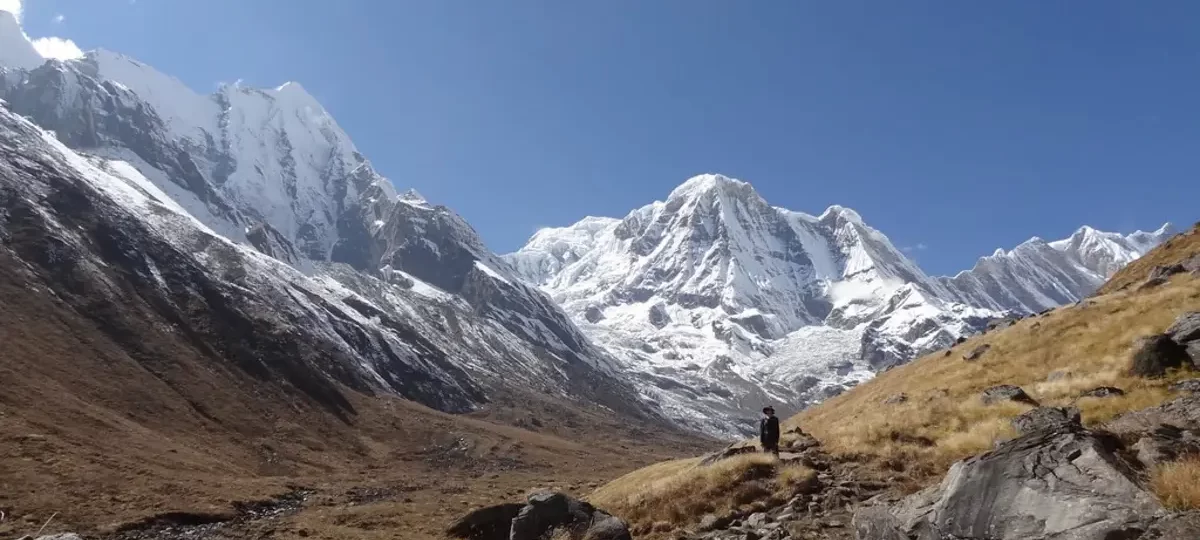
768	409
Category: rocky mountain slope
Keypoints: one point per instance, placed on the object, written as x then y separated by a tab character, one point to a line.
717	302
264	187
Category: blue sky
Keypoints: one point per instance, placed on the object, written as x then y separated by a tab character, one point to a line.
957	126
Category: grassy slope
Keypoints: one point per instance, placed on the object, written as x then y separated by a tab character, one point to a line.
944	421
100	438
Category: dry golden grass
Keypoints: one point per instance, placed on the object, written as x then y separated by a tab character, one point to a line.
1174	250
669	494
944	421
1178	484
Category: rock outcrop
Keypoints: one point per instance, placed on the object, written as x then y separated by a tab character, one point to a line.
1154	355
544	513
1063	483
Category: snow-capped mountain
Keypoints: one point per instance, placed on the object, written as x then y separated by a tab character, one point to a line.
704	306
262	193
1038	275
716	302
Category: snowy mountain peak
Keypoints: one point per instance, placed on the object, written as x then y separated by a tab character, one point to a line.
411	196
16	51
706	183
836	212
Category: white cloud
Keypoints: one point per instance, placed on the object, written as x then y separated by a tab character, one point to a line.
57	48
49	47
918	247
13	6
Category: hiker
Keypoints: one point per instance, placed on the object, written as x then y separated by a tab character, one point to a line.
768	431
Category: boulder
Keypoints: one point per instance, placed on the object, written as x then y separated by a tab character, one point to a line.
1064	484
1165	444
1043	418
1103	392
1165	271
491	523
896	399
976	353
1154	355
1006	392
1182	412
608	528
1186	328
543	513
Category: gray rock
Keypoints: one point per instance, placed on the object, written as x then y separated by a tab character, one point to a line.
1151	283
1191	386
1154	355
876	523
1047	418
1163	272
757	520
608	528
1182	412
1103	392
491	523
61	536
1006	392
1186	328
1063	485
896	399
709	522
1165	444
977	353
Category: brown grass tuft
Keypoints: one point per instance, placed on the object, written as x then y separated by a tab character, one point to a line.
1178	484
681	492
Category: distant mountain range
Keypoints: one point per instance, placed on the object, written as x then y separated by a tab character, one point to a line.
697	309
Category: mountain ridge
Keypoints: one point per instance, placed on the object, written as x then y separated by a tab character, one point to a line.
715	268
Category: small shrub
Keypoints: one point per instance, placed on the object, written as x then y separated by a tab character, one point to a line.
1178	484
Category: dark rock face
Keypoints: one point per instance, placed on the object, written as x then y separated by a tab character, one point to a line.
1043	418
271	243
1154	355
1006	392
729	451
1066	484
658	316
111	267
491	523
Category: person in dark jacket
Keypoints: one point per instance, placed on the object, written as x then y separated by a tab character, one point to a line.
768	431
